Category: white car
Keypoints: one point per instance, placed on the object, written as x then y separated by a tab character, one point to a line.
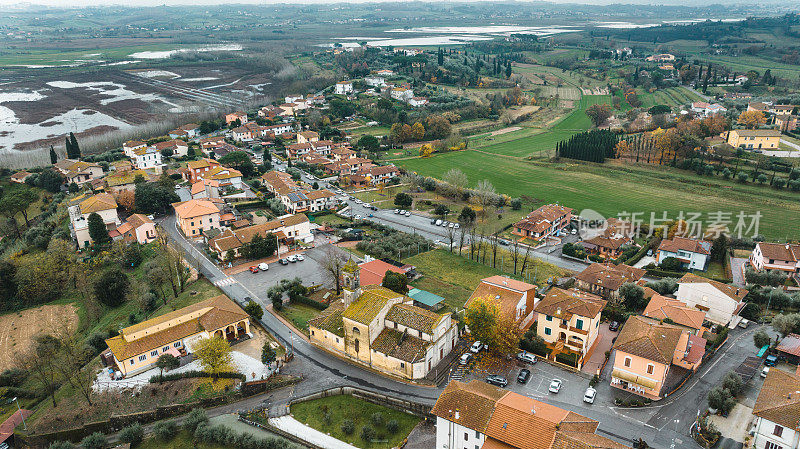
397	211
357	217
408	214
300	257
367	205
263	266
465	358
589	395
292	258
457	226
452	225
438	222
358	201
476	347
555	385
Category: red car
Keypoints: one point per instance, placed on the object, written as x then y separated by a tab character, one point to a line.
254	269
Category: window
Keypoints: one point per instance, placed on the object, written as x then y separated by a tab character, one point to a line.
778	431
177	344
165	348
628	362
771	445
466	436
192	223
142	358
131	361
154	353
477	434
579	324
547	331
402	365
549	318
650	369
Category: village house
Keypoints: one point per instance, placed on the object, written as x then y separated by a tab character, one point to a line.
651	358
343	88
138	228
721	302
605	279
401	94
373	271
482	416
776	256
693	254
516	299
663	308
307	137
776	412
138	347
374	81
132	145
147	158
544	222
205	188
196	169
238	115
705	109
295	198
286	229
569	323
786	123
663	57
242	134
417	102
754	138
383	330
609	243
775	109
124	180
20	177
179	148
79	209
279	129
195	217
384	72
77	171
269	111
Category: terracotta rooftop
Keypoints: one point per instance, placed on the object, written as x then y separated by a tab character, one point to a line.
684	244
779	399
610	276
789	252
562	304
660	308
195	208
790	344
647	338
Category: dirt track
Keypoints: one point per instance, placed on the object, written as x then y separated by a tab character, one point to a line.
17	329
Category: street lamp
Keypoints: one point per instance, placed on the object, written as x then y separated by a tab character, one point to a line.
24	425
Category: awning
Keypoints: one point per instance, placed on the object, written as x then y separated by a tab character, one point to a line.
634	379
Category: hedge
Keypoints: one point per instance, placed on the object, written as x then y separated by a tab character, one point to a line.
659	273
310	302
567	359
638	256
190	374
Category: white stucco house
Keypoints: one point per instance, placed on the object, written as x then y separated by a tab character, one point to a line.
720	301
693	254
776	412
344	87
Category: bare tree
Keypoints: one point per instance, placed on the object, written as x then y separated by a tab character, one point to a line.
41	362
451	237
515	253
457	179
332	263
461	238
486	193
493	243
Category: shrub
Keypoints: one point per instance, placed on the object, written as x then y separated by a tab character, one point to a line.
61	445
254	310
733	383
165	430
133	434
194	419
348	427
94	441
13	377
376	419
742	177
392	426
326	417
367	433
595	380
717	397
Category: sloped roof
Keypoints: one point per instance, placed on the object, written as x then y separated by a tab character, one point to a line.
789	252
779	399
660	308
97	203
647	338
473	403
682	243
609	275
790	344
758	132
330	319
372	272
732	291
414	317
195	208
367	306
562	304
400	346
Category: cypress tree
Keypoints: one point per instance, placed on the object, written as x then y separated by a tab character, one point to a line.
75	148
68	147
53	155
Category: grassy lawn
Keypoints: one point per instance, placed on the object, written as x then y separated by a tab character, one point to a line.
299	314
383	199
340	408
716	270
183	440
611	189
454	295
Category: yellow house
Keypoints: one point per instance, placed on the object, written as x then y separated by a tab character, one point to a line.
754	138
382	329
102	204
196	216
569	322
137	347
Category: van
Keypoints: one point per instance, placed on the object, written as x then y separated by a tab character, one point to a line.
764	372
744	323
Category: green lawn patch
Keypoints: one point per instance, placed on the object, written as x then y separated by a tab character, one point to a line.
183	440
328	414
299	315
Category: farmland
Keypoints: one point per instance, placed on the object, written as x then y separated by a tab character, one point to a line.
611	190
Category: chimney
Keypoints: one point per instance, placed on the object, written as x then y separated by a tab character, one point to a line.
457	414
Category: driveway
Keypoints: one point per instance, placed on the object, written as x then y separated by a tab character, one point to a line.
736	269
598	356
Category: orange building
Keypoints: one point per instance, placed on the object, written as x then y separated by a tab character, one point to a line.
196	216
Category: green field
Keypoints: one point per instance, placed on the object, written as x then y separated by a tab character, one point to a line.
611	190
671	96
327	415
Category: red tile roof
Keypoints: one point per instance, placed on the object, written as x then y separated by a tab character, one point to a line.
372	273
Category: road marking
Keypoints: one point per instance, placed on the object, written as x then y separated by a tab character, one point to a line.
224	282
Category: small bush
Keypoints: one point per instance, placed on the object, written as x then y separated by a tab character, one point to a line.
165	430
194	419
94	441
367	433
326	418
376	419
392	426
348	427
133	434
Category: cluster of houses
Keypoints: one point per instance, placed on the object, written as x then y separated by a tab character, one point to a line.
377	82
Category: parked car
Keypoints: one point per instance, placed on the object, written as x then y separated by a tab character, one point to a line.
524	375
292	258
477	346
284	261
369	215
771	360
457	225
444	223
357	217
367	205
300	257
589	394
254	269
465	358
358	201
573	232
496	379
263	266
408	214
613	326
374	207
526	357
503	242
764	372
555	386
397	211
433	221
438	222
744	323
